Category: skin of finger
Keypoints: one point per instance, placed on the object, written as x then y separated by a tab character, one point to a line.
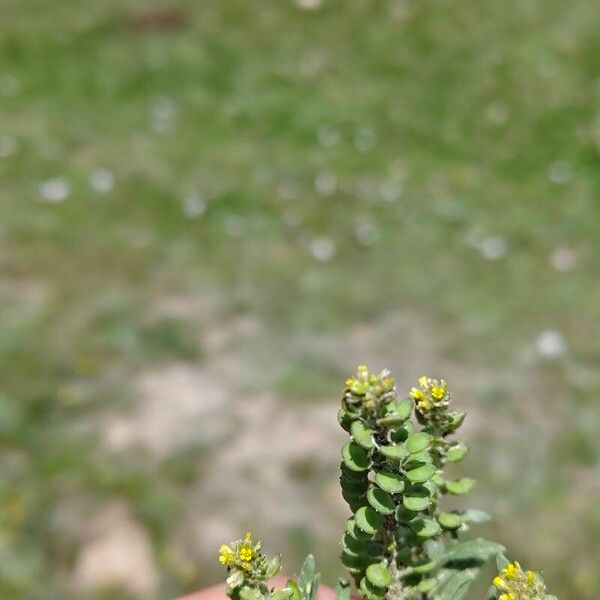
217	592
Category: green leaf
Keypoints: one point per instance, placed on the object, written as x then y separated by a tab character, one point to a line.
426	585
354	487
421	474
501	561
425	528
355	532
456	420
251	593
344	419
293	585
368	520
362	435
390	482
460	486
418	442
472	550
394	451
473	515
285	593
355	457
452	584
379	575
352	475
492	593
401	434
449	520
371	592
342	590
421	457
309	578
423	567
381	501
416	499
457	452
397	411
274	566
354	547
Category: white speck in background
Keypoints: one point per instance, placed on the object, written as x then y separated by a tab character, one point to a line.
493	247
194	206
560	171
309	4
323	249
497	113
328	136
288	189
234	226
550	344
102	181
390	190
325	183
8	146
54	190
564	259
10	85
163	113
365	139
366	232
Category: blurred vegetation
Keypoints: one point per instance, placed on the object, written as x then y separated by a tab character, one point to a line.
313	166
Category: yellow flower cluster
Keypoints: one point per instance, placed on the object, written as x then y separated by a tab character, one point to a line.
429	393
242	553
517	584
364	382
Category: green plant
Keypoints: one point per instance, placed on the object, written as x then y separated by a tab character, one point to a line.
400	542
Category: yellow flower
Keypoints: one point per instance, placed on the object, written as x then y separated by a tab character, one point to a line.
511	571
438	392
246	566
225	555
416	394
246	553
499	583
530	578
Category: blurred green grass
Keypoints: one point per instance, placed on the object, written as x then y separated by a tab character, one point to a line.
341	163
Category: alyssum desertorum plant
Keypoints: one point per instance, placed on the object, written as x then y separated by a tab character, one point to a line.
400	542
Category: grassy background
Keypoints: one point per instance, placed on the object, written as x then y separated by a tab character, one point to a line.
267	193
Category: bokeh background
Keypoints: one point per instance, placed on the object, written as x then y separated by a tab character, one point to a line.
211	211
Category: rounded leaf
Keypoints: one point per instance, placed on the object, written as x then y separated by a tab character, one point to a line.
362	435
426	585
354	487
352	475
421	474
418	442
368	520
379	575
404	516
381	501
371	592
355	457
344	419
416	499
449	520
390	482
460	486
401	434
425	528
457	452
394	451
355	532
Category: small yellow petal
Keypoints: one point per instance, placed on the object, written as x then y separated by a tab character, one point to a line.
423	381
416	394
499	583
